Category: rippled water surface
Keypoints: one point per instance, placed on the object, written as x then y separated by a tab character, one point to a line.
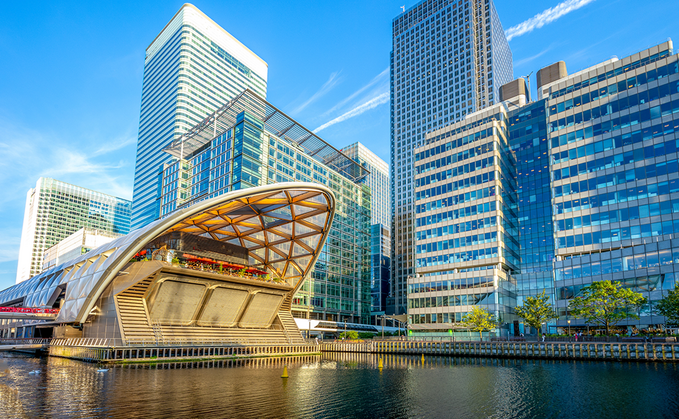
341	385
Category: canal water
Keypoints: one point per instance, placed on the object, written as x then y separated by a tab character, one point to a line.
340	385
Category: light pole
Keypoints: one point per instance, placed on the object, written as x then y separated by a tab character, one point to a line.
382	327
569	328
345	329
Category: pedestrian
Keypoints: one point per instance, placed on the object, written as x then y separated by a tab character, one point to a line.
543	337
576	336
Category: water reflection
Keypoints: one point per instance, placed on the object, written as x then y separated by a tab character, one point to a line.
341	385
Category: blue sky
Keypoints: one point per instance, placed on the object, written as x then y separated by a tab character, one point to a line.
72	72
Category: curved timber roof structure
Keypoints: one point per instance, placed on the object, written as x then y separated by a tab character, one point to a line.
283	227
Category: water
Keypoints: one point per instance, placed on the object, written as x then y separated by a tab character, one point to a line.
341	385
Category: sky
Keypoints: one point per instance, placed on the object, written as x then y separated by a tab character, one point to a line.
72	71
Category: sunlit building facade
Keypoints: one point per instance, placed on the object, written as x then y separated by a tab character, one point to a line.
256	144
448	60
380	236
191	69
55	210
593	169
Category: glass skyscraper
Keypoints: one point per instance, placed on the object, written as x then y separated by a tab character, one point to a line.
448	59
588	191
191	69
380	237
251	143
55	210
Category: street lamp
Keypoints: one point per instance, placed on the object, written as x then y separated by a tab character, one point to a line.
569	327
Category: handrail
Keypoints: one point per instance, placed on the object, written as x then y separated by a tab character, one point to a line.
30	310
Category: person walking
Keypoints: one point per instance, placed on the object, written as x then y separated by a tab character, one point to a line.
543	337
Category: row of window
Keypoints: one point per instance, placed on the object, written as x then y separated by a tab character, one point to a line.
652	259
453	158
459	184
623	195
619	178
457	242
456	228
436	318
455	214
624	214
458	284
617	234
631	156
459	257
456	171
447	301
613	73
454	144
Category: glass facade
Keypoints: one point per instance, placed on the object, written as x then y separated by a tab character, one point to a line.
593	167
380	237
448	59
250	153
191	69
55	210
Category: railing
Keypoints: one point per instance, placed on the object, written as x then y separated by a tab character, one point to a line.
25	341
29	310
142	343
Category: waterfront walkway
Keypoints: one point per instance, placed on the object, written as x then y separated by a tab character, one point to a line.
602	351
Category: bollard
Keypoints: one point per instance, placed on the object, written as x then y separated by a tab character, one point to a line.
285	372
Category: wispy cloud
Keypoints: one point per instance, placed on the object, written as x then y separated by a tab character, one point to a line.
526	60
370	104
545	17
327	86
377	79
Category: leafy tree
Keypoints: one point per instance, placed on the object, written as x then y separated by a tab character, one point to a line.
350	335
669	306
479	320
606	303
536	310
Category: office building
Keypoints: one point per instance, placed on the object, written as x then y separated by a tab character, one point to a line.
191	69
449	59
596	185
55	210
380	237
78	243
247	143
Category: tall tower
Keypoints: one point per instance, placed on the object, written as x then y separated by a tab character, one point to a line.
191	69
55	210
380	237
449	58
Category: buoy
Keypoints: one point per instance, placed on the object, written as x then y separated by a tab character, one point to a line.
423	358
285	372
379	364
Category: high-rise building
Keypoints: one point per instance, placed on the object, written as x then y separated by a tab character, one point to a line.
579	186
248	142
448	59
78	243
380	237
191	69
55	210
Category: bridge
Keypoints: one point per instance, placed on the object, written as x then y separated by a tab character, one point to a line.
28	313
24	344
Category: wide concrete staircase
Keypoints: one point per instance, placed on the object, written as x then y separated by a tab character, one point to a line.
134	315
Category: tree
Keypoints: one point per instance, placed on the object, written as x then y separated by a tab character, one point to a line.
479	320
669	306
536	310
606	303
350	335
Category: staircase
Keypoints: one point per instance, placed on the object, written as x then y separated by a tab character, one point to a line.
290	327
134	315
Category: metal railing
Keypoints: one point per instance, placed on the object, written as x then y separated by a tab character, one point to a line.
25	341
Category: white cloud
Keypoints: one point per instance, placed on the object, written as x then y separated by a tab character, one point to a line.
327	86
378	78
547	16
366	106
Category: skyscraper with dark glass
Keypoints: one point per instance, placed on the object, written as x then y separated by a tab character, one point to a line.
191	69
448	59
